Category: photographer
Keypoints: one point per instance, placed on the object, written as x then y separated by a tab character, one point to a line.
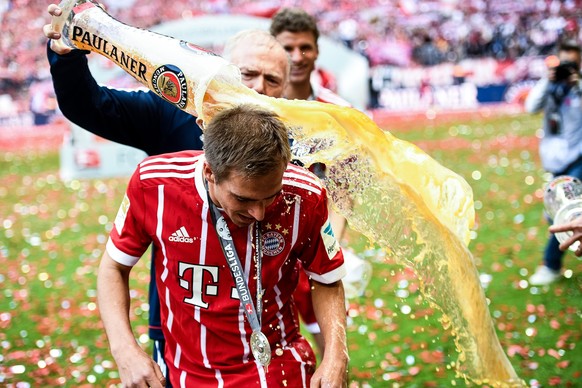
559	95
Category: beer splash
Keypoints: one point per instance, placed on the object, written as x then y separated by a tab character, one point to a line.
388	189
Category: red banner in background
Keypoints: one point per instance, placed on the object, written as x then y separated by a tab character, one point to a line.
32	137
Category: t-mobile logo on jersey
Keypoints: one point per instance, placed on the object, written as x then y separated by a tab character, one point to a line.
202	281
192	278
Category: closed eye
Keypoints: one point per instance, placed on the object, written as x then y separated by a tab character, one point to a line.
248	75
273	81
247	200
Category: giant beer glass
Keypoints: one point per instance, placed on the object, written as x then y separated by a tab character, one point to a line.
389	190
563	204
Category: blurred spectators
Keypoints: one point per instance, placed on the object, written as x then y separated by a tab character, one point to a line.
387	32
426	53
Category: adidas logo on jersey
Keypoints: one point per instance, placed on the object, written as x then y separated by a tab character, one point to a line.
181	235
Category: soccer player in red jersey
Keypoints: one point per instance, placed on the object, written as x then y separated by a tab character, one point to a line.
197	208
297	32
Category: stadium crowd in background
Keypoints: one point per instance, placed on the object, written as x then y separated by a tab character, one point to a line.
396	32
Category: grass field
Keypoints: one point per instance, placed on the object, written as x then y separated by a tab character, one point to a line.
52	235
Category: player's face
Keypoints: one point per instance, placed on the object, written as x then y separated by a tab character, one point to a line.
263	68
302	48
245	200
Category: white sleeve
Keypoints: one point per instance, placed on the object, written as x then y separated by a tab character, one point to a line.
120	256
536	98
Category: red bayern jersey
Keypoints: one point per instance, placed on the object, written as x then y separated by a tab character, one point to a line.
302	295
323	94
207	334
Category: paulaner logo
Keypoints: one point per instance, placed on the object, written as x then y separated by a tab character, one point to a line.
123	59
169	82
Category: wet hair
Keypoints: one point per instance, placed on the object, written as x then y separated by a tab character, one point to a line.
294	20
248	140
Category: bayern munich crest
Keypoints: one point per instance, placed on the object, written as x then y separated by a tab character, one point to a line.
273	243
169	82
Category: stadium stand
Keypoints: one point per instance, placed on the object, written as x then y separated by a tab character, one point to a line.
388	32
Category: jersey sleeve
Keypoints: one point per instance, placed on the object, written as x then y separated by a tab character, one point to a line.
322	259
128	240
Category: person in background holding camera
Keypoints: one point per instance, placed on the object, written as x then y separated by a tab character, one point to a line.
559	96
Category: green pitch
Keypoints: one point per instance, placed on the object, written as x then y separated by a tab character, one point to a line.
52	235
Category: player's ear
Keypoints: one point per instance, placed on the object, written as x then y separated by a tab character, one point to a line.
200	123
208	174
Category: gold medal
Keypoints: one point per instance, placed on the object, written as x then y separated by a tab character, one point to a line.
261	348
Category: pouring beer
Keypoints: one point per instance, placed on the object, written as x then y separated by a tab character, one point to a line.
419	211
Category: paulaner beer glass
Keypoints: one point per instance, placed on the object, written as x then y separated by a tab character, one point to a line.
185	75
563	203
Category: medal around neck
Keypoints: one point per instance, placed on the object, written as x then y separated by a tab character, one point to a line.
259	342
261	348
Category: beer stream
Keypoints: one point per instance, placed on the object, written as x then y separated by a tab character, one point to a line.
389	190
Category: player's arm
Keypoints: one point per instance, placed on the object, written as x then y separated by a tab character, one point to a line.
136	368
330	310
324	264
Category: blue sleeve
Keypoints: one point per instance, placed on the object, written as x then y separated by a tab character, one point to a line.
137	118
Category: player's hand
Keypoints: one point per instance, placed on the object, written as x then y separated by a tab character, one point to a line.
331	373
137	369
53	35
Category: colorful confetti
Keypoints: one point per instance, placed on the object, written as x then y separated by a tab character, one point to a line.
52	235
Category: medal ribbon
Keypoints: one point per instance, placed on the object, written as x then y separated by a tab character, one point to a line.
235	266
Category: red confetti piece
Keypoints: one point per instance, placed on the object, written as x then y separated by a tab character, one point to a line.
413	371
434	357
555	381
554	353
512	350
393	376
